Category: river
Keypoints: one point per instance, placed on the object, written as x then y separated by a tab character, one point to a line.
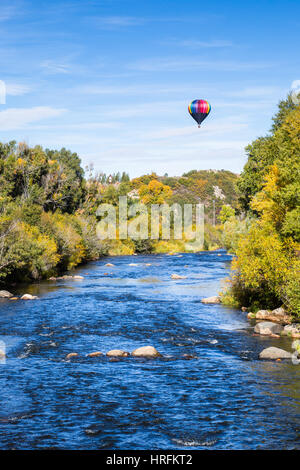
221	398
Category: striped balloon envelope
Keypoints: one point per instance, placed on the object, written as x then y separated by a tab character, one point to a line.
199	110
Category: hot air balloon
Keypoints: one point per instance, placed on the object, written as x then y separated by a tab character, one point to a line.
199	110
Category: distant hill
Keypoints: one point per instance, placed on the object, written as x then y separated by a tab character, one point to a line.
211	187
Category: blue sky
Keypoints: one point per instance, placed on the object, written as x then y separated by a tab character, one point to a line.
112	79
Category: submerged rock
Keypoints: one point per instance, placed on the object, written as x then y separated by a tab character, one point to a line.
211	300
189	356
14	298
29	297
292	330
177	276
4	294
95	354
268	328
145	351
117	353
274	353
109	264
70	355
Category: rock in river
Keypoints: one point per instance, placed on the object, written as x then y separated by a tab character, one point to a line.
29	297
177	276
117	353
278	315
274	353
292	330
268	328
70	355
5	294
109	264
95	354
211	300
146	351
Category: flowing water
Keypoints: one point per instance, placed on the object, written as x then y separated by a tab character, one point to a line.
220	396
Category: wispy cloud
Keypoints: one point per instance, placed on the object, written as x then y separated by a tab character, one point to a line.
7	12
153	108
18	118
257	92
84	126
14	89
195	44
141	89
116	21
214	129
51	67
178	64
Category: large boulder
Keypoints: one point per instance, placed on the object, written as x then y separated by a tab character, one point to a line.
279	315
292	330
4	294
274	353
29	297
211	300
268	328
146	351
117	353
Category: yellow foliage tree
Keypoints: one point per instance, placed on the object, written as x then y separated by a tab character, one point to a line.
155	192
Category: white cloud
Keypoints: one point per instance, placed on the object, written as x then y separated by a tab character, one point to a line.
19	118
